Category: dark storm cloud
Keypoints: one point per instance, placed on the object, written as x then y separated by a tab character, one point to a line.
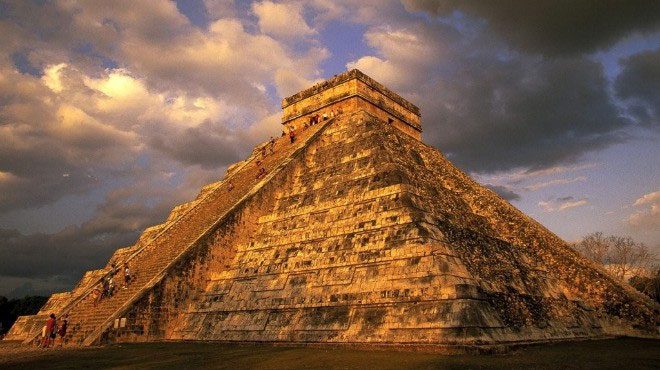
504	192
639	86
495	115
210	145
555	27
492	109
63	256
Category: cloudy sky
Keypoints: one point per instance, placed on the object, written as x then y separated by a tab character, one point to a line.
112	112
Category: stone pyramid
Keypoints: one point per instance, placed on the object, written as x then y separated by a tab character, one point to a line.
355	233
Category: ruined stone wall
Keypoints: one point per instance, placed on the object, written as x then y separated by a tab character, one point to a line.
55	302
320	100
388	104
355	103
163	313
346	76
339	259
382	111
346	104
160	314
372	237
340	95
360	241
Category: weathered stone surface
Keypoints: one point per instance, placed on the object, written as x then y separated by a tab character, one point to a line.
350	92
357	233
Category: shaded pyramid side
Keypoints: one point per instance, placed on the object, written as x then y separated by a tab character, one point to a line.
540	287
372	237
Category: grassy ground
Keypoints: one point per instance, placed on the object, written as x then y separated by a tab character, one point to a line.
603	354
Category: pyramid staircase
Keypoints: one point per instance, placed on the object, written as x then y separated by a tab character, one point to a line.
185	226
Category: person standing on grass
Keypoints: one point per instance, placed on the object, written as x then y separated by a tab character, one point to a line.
43	336
50	330
62	331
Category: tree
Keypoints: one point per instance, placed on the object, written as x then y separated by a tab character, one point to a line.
10	309
621	256
648	285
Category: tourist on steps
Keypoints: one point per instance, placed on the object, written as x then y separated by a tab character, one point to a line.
111	286
96	295
272	145
292	135
106	288
261	173
127	275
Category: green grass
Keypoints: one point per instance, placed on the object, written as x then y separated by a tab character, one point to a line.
624	353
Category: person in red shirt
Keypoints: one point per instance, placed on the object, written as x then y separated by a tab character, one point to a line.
62	331
292	135
50	330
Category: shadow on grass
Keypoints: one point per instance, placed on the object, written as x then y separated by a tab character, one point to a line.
626	353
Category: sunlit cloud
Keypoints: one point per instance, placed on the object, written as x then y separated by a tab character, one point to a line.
648	217
545	184
52	78
282	19
562	204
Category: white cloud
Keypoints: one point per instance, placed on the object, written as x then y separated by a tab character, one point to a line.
649	217
51	77
545	184
185	97
381	70
407	56
649	198
282	20
519	176
562	204
572	204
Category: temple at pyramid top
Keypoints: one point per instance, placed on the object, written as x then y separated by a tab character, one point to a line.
347	92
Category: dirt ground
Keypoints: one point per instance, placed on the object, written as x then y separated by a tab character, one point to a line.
626	353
